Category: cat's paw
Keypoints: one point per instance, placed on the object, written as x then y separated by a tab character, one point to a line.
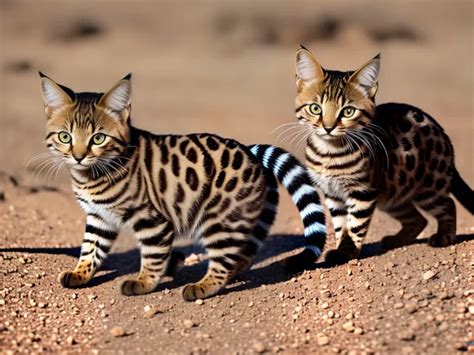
71	279
337	257
439	241
134	287
192	292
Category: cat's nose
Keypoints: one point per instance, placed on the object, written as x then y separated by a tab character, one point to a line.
329	129
79	159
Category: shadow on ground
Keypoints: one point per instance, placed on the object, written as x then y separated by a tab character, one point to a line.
271	273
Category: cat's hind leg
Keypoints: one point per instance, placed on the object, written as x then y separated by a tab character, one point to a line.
444	210
229	253
412	222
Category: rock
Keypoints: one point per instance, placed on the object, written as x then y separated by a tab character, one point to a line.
188	324
358	331
199	301
322	340
411	307
429	275
70	340
117	331
398	305
259	347
407	336
192	259
151	311
325	305
348	326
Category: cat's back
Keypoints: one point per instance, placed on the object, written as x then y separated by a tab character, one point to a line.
419	151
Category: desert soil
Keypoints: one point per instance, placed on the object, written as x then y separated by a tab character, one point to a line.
227	68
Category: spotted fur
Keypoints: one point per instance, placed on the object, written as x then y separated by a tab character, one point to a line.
214	190
392	156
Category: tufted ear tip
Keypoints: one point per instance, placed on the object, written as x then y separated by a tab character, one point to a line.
127	77
303	47
40	73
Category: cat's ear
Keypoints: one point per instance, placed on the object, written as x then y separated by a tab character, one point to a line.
366	77
55	95
308	70
118	99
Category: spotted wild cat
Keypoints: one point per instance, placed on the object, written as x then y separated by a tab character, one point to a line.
393	156
212	189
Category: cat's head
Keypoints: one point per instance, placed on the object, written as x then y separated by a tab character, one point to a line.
334	103
86	128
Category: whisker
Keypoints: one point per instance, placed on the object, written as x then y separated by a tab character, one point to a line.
284	125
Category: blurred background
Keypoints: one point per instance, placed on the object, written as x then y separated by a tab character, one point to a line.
228	66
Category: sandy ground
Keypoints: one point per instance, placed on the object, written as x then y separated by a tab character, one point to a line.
228	68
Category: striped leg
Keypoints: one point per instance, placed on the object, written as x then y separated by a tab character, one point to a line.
338	212
98	239
444	210
155	237
360	208
229	253
412	222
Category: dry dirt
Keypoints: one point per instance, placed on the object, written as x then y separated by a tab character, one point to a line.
227	68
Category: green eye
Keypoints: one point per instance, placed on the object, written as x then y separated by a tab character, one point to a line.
348	111
315	109
98	138
64	137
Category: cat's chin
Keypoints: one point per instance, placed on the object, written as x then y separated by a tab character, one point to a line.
79	168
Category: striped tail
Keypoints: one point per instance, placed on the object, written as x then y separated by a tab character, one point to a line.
295	178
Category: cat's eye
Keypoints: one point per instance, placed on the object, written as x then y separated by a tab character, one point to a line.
348	111
315	109
64	137
98	138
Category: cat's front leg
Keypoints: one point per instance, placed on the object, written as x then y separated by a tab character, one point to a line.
98	239
155	237
360	206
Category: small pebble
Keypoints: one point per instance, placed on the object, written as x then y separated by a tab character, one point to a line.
411	308
429	275
348	326
322	340
259	348
117	332
188	324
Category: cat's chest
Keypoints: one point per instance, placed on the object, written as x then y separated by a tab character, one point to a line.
108	213
330	185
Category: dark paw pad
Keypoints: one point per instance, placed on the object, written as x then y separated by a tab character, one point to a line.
439	241
337	257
